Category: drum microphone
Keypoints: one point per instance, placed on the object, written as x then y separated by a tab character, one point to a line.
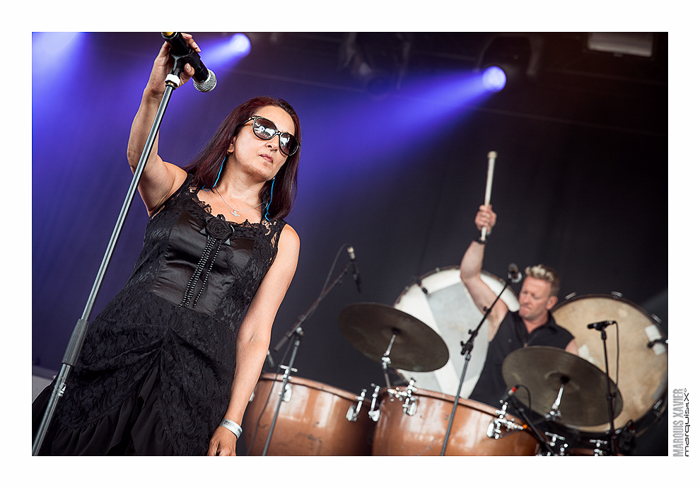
601	325
355	271
514	274
509	394
204	79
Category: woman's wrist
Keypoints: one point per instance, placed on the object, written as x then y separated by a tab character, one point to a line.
232	426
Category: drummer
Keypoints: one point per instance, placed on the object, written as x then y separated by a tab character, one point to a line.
531	325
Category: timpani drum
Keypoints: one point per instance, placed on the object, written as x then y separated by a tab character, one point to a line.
421	431
314	420
642	375
441	301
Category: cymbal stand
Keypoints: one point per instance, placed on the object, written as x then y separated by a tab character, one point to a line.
77	339
297	332
467	348
554	412
386	360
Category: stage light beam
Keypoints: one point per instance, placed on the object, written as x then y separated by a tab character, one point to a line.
239	45
494	79
225	51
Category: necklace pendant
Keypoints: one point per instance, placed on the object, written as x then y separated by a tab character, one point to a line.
236	214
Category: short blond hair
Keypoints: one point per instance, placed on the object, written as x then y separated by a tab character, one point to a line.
546	273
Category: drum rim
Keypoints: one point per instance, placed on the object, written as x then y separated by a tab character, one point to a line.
451	267
312	384
608	296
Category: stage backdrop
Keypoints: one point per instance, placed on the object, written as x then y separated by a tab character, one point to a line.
580	180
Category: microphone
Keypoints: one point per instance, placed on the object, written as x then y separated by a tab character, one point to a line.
509	394
355	271
601	325
204	79
269	359
514	274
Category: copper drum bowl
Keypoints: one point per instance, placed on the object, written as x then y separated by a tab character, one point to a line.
423	433
312	420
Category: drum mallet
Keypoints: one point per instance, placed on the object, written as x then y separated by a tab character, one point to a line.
489	181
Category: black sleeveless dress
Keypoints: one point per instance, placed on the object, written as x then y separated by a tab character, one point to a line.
155	372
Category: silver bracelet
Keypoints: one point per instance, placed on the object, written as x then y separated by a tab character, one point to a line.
233	427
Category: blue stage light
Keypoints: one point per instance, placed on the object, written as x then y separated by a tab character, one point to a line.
55	57
52	49
494	79
224	51
239	44
54	43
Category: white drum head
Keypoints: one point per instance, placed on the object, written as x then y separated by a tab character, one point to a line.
642	375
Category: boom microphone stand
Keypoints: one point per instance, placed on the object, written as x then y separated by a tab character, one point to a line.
467	348
297	332
78	336
600	326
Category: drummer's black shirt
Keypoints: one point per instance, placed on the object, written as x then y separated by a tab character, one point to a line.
512	335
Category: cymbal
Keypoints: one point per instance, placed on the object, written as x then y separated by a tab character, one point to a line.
542	370
369	327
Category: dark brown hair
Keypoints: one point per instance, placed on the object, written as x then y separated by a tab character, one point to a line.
205	167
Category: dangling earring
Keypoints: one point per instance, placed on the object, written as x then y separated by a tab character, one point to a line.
220	170
219	175
267	209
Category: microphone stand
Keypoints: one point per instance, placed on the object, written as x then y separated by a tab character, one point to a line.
467	348
609	397
528	422
298	333
79	332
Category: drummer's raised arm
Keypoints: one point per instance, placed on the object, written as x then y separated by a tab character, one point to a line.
470	272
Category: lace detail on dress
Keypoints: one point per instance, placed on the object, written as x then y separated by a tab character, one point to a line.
194	191
145	328
205	206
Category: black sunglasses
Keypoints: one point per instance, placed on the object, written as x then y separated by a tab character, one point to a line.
265	129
